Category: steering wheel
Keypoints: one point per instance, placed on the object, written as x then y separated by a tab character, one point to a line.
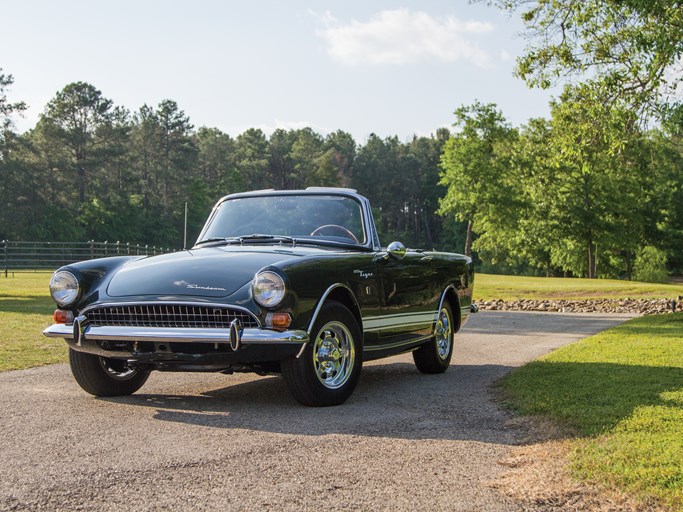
334	230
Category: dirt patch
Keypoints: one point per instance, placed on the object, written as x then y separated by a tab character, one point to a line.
538	477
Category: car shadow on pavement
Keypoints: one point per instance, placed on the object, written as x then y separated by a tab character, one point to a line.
391	400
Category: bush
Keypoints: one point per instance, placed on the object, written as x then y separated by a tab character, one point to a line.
650	265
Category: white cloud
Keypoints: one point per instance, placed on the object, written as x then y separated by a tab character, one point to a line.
505	56
404	37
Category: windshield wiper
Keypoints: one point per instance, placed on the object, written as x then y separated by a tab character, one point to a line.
254	237
331	243
257	237
218	240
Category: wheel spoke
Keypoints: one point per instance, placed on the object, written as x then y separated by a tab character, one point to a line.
117	369
333	355
443	336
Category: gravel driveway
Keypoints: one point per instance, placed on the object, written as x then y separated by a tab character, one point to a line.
404	441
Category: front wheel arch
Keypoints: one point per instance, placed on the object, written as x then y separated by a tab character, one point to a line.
343	295
451	297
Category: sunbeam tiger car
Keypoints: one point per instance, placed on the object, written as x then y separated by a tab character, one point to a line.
278	281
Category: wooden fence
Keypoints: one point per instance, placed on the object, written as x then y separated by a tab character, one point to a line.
48	256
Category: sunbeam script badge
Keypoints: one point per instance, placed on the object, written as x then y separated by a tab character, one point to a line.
191	286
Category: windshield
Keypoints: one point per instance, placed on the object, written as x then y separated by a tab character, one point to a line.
316	217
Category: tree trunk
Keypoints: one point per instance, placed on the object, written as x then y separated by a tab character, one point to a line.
430	242
468	239
591	260
81	186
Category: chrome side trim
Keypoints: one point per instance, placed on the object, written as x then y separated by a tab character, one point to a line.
397	344
301	351
443	298
443	295
322	301
179	335
378	323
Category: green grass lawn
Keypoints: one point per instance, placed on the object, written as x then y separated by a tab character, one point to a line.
26	307
621	391
490	286
25	310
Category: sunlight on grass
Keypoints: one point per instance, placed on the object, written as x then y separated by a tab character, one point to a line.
25	310
490	286
622	392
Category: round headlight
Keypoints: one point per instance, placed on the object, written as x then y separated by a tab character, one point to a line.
268	289
64	287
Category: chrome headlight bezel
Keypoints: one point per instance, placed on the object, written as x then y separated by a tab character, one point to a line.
64	288
268	289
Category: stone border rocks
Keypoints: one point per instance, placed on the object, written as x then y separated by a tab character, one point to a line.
627	305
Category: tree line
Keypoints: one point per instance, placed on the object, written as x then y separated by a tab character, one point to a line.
588	192
90	169
585	193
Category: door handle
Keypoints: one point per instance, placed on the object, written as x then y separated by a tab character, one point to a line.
426	258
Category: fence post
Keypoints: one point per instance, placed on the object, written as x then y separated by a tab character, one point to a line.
92	249
118	247
4	250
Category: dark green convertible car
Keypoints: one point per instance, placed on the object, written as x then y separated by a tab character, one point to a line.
289	281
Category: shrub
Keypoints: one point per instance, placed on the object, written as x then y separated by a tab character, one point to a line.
650	265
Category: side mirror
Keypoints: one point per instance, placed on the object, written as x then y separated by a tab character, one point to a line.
396	250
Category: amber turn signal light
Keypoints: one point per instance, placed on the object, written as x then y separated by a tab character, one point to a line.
61	316
278	320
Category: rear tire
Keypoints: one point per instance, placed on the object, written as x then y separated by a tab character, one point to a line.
329	368
435	355
103	376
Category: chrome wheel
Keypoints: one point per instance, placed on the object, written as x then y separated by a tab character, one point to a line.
334	355
117	369
443	334
327	371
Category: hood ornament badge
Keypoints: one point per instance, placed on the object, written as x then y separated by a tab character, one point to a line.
209	288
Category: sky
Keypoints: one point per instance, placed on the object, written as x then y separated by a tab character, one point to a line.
380	66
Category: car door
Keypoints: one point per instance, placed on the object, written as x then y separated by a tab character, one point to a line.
406	295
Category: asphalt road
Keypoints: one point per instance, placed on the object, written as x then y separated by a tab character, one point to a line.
404	441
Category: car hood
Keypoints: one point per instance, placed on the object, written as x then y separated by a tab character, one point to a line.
210	272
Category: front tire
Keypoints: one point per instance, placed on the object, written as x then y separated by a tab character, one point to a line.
329	368
103	376
435	355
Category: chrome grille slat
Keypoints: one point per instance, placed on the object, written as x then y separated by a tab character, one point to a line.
169	315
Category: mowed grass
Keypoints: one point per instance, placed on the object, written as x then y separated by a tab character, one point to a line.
490	286
26	307
621	392
25	310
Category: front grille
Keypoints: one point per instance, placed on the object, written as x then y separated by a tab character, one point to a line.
169	315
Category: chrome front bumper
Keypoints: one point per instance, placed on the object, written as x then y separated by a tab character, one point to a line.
248	336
